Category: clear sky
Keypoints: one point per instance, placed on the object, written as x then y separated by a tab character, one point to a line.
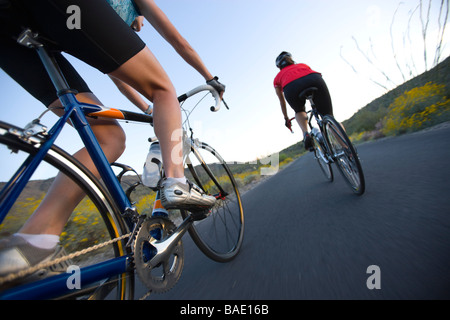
239	41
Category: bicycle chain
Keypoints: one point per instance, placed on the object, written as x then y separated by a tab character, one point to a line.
43	265
25	272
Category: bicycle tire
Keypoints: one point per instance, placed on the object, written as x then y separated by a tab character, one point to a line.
319	154
344	155
220	235
112	224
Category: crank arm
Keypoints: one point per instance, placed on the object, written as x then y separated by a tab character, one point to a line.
164	247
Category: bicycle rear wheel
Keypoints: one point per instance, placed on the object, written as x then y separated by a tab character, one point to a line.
320	155
344	154
220	235
95	220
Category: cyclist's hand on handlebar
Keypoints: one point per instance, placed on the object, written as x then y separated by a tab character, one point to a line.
220	88
288	124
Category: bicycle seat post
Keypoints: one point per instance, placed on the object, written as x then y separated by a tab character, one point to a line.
29	39
310	98
308	94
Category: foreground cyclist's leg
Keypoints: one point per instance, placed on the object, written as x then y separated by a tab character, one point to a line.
144	73
38	238
95	220
64	196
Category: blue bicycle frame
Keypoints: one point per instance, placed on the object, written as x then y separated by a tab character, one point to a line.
75	112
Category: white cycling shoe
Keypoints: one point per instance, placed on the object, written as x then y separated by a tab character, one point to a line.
176	195
17	254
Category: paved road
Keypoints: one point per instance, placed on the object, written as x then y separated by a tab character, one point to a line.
311	239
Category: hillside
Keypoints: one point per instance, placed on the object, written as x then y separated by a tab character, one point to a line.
367	117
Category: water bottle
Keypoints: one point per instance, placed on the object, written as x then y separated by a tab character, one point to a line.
316	132
152	174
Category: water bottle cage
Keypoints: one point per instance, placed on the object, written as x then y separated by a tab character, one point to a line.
159	164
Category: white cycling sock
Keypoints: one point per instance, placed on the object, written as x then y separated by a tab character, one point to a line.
180	180
42	241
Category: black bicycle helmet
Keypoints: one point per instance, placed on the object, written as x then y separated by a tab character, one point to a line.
281	59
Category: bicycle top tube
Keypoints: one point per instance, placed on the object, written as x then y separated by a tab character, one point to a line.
104	112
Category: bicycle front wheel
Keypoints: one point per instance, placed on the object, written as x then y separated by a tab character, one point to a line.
344	154
95	220
220	235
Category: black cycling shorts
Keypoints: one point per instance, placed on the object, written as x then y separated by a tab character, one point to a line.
103	41
322	98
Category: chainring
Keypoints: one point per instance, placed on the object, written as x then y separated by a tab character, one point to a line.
164	276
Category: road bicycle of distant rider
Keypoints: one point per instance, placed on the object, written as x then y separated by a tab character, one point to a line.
332	145
114	233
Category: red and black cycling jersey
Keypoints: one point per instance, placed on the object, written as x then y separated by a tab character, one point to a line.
294	79
291	73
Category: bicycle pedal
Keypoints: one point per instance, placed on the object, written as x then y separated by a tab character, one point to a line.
200	215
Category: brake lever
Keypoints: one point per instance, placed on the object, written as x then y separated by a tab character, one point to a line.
225	104
290	125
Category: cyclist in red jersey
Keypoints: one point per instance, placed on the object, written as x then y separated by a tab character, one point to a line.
292	79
